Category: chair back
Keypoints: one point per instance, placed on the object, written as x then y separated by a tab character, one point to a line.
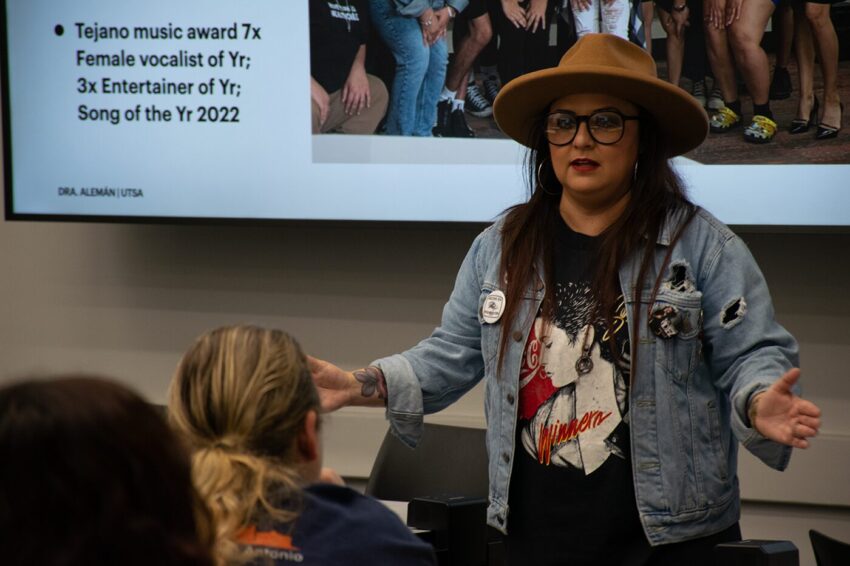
828	551
449	460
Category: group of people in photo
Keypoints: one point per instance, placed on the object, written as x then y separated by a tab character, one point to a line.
715	45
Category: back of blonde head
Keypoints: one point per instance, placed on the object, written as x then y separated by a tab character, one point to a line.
239	397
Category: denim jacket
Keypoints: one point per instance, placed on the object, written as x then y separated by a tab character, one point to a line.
688	402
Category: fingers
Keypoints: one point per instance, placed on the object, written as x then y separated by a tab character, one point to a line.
314	364
808	410
809	422
787	381
355	102
717	18
347	100
803	431
518	19
805	427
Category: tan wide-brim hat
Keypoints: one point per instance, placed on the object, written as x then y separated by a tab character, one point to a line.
601	63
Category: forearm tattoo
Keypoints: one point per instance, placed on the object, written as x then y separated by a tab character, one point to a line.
373	381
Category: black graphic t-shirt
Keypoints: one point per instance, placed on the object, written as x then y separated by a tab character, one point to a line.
572	495
337	30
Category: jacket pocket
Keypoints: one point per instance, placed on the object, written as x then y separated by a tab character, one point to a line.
676	320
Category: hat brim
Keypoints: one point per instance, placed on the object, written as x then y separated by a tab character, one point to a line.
527	98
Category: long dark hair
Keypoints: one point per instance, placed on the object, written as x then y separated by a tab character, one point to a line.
528	231
90	473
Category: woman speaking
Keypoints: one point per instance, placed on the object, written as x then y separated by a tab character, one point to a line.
626	336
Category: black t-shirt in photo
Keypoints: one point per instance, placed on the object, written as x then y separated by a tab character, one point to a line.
572	497
337	30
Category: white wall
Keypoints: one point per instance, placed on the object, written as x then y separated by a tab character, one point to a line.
125	300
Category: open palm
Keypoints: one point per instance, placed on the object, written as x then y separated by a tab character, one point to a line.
784	417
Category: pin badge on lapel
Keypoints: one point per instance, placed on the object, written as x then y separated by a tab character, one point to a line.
665	321
493	307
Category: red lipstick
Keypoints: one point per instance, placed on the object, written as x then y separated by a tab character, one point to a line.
584	165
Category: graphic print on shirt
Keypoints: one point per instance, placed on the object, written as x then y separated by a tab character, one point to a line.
572	392
271	545
344	11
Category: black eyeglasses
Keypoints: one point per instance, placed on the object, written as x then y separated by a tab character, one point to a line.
605	126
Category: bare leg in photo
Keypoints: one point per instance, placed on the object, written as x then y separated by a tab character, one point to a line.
783	19
675	46
745	35
720	60
804	51
470	38
826	43
782	23
480	33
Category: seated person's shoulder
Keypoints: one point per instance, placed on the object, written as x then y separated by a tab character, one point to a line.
338	525
342	508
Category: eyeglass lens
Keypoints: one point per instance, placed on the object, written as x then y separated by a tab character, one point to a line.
606	127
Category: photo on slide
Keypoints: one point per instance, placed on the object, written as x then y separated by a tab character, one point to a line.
373	71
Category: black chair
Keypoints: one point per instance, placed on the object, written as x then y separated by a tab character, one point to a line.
828	551
449	460
445	480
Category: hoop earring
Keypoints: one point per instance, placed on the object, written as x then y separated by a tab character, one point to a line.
635	176
540	181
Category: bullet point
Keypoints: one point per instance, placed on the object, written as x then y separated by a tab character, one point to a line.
59	30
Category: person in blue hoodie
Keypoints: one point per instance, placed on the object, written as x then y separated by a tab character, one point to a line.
243	400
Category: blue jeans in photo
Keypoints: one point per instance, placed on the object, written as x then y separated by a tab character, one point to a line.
419	74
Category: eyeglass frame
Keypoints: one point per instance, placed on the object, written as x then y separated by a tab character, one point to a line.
585	118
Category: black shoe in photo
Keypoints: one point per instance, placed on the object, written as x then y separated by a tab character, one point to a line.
444	113
491	88
476	103
459	127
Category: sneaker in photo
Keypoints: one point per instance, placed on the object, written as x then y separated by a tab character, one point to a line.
715	99
761	130
724	120
698	92
491	88
476	103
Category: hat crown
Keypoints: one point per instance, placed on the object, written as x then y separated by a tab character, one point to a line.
606	50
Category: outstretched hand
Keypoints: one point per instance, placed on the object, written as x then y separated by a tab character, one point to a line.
782	416
333	383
